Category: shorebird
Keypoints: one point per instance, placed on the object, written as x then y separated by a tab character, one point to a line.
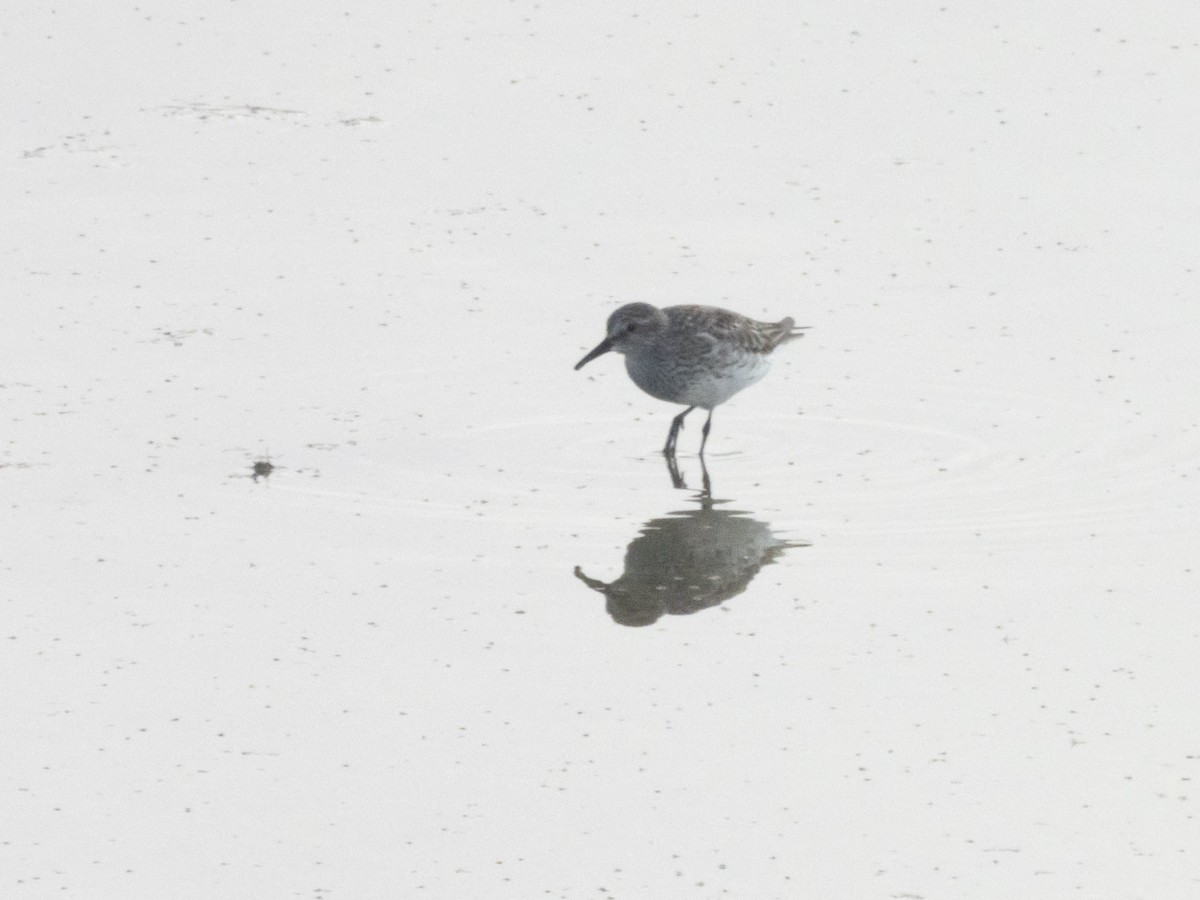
699	356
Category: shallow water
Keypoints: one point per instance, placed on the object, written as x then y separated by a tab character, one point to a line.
932	631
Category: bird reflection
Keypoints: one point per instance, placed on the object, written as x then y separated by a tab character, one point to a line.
689	560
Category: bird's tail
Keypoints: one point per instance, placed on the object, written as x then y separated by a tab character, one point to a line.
787	330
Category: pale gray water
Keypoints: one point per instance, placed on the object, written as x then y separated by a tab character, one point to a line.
368	245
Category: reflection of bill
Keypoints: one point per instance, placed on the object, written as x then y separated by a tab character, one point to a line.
687	562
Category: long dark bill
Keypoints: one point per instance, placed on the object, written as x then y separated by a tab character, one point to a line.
601	348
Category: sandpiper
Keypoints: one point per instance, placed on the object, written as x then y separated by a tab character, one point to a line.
694	355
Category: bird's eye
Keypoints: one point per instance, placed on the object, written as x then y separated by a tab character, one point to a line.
631	327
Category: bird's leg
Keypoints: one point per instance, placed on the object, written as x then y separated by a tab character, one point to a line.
704	431
673	470
676	424
706	493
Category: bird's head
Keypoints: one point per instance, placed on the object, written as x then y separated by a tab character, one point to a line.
631	326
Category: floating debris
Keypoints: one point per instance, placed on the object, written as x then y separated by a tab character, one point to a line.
262	468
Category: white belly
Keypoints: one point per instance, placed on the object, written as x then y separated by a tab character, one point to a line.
696	385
